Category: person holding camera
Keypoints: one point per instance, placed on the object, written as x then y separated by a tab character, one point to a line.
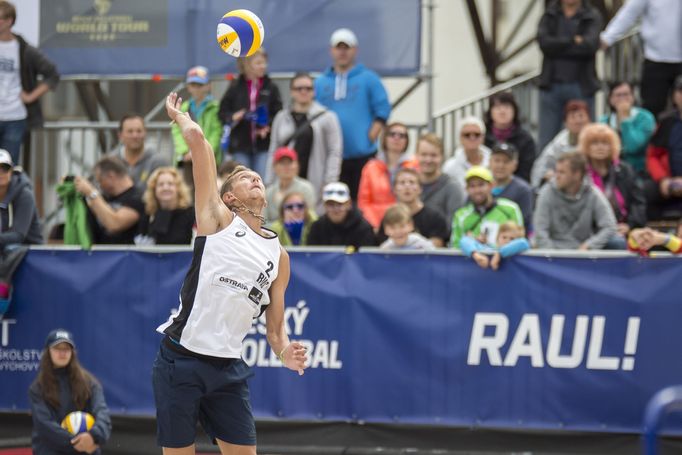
115	209
247	109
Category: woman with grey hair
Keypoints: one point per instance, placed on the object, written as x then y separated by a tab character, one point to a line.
471	151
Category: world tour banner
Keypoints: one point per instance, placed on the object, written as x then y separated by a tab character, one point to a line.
545	343
106	37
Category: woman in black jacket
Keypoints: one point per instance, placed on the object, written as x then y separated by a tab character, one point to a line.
248	107
169	214
615	178
64	386
503	126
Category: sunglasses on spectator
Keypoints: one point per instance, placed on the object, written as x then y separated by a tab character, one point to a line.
294	206
5	167
471	135
397	134
303	88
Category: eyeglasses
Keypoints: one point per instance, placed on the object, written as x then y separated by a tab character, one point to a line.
294	206
471	135
397	134
303	88
5	167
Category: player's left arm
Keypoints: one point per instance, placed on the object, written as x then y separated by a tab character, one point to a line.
291	353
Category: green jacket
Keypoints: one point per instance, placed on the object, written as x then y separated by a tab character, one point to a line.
467	219
211	126
76	228
283	235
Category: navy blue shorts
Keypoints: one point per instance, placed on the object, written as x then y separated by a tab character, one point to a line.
190	388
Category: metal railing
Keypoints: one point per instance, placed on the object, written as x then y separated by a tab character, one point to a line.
73	148
622	61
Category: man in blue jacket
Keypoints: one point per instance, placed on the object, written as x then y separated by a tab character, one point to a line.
357	96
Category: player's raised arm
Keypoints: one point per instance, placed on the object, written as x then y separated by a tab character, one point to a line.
291	353
211	213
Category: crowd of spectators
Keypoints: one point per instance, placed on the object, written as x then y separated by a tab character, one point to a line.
340	171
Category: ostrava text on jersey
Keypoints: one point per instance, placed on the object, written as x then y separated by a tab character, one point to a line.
225	288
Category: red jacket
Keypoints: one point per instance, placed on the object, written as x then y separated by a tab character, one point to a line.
658	154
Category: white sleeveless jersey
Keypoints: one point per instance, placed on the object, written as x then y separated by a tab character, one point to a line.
225	288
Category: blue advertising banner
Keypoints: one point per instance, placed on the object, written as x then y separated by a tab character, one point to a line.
168	36
545	343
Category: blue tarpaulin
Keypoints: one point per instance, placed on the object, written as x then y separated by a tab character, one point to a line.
168	36
545	343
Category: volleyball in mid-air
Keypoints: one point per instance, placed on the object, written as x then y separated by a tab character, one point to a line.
240	33
78	422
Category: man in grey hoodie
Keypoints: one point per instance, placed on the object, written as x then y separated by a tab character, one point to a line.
19	223
570	213
439	191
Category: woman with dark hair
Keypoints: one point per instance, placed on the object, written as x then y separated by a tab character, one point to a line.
295	219
634	125
169	214
503	125
61	387
375	193
615	178
248	107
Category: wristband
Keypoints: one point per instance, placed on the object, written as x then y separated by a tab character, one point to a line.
92	196
281	354
672	243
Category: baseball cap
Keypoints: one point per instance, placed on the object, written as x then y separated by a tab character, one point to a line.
6	158
505	148
59	336
677	85
343	35
198	75
285	152
480	172
337	192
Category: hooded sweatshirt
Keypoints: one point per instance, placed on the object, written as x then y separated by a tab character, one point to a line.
565	222
358	97
324	163
19	221
353	231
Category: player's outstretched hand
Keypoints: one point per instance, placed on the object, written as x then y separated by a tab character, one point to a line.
294	357
173	103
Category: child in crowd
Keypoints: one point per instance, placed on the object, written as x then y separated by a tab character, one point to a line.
399	228
203	109
510	241
642	240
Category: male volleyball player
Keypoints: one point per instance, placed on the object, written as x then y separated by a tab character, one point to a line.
238	271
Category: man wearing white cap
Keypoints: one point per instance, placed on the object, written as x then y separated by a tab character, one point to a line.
341	224
357	96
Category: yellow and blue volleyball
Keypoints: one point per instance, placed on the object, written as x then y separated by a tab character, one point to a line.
78	422
240	33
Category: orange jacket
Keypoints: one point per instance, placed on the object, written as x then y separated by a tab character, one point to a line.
375	194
